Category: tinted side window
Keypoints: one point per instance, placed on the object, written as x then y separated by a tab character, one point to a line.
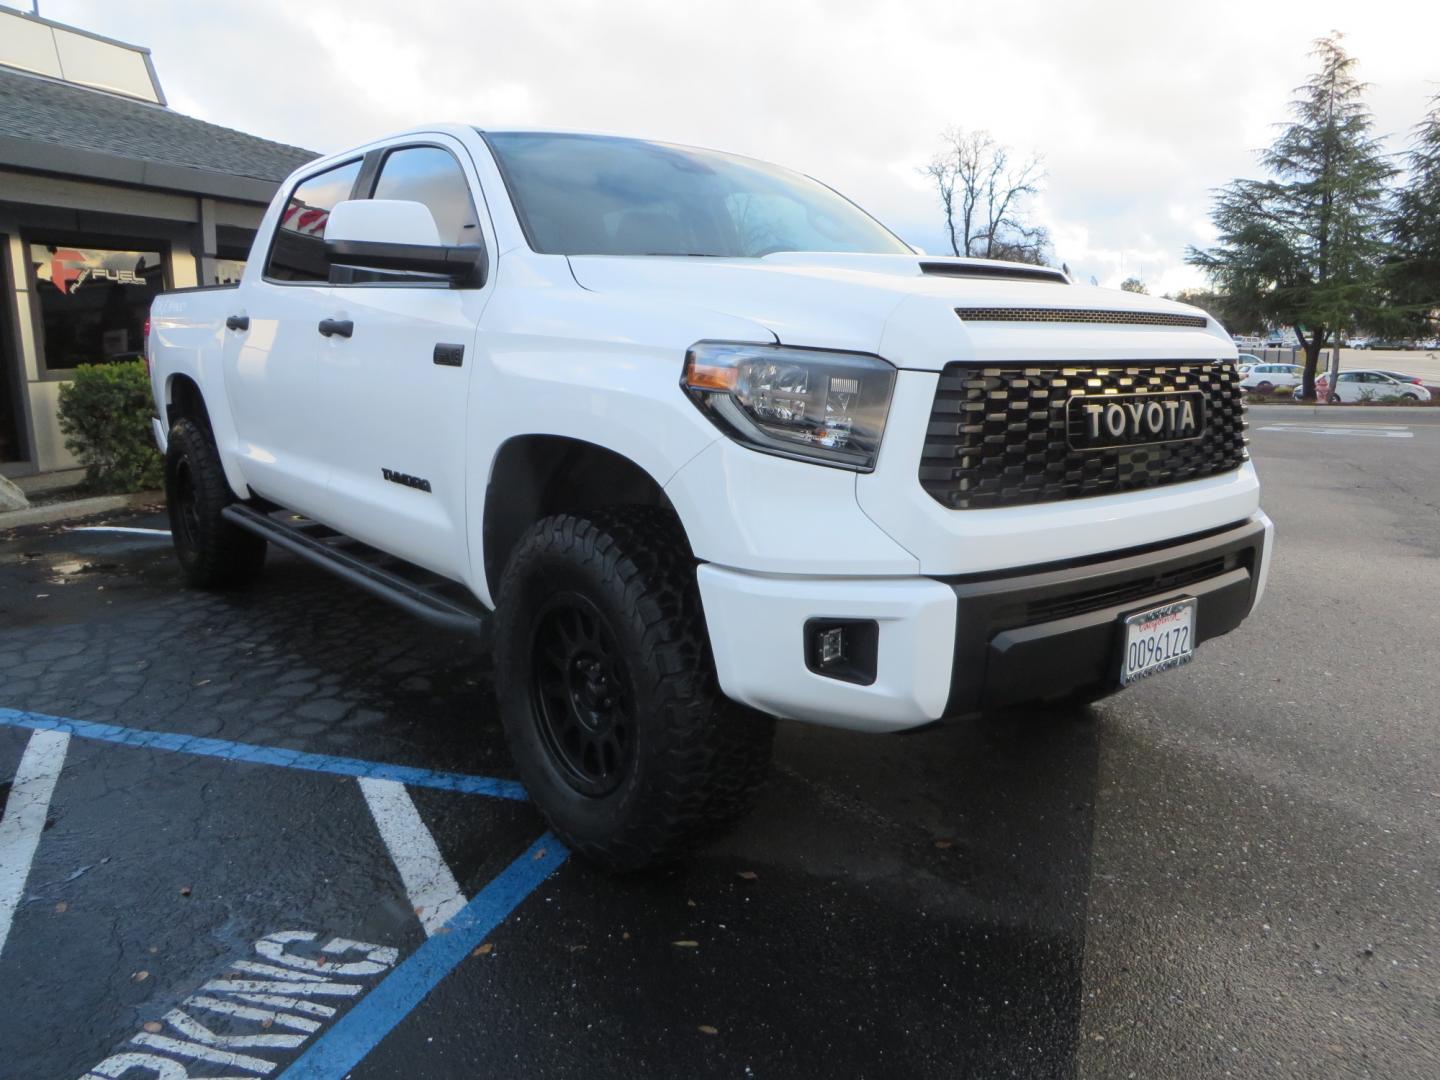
429	175
298	250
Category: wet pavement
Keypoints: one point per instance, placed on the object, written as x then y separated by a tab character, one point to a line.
1230	870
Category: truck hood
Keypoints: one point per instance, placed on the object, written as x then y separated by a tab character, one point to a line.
903	307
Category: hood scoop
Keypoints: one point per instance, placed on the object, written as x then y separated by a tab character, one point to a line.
1080	315
994	271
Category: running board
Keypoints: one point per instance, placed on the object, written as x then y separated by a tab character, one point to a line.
435	599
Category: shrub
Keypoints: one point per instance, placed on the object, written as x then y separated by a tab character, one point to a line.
105	414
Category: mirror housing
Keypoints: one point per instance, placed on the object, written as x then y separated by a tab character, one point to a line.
398	235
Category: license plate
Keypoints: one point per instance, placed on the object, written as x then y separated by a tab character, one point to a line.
1157	640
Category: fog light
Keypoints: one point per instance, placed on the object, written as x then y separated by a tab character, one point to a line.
844	649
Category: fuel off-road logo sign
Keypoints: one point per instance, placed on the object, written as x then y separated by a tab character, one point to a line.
70	268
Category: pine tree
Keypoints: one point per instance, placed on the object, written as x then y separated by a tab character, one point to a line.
1304	248
1413	274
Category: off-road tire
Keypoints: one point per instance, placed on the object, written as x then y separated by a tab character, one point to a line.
213	553
695	760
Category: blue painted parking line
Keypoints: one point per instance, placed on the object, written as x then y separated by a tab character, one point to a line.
363	1027
265	755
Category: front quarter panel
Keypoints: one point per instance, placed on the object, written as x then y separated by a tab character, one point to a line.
555	359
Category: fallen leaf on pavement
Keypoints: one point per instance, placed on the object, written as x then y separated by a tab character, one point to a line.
706	1029
686	944
484	950
748	875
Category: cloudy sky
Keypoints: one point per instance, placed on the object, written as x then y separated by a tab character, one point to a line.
1139	108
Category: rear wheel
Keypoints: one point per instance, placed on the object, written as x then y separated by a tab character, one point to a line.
213	553
608	692
1264	387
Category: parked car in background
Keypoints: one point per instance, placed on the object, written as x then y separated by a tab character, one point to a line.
1267	378
1245	361
1370	385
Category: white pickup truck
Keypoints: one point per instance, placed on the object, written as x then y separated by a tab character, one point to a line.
698	443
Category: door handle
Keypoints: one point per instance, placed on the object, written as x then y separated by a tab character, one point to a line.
342	327
237	322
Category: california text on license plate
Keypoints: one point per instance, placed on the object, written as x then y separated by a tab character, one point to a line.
1157	640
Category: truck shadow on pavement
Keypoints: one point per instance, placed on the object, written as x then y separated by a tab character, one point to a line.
904	905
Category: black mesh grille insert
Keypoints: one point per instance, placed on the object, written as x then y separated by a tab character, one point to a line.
1079	315
998	436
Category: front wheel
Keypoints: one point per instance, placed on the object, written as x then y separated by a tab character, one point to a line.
213	553
608	693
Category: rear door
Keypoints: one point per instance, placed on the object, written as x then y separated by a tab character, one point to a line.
395	412
276	390
1348	386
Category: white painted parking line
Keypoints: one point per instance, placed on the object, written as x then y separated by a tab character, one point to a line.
1365	431
24	820
433	891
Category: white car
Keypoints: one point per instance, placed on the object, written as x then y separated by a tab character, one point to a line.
705	444
1267	378
1374	385
1245	361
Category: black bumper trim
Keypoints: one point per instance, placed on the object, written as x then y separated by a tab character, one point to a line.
1047	633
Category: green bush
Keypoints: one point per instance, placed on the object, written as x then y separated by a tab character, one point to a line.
105	414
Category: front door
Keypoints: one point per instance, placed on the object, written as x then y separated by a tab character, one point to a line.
397	388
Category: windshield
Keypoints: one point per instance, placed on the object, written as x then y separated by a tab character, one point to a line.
596	195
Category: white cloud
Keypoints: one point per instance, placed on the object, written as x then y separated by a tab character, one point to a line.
1140	108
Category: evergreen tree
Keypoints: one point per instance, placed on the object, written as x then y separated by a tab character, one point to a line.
1413	274
1303	249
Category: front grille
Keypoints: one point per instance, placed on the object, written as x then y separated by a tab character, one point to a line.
998	436
1079	315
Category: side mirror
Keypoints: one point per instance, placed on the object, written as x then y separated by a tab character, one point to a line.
397	235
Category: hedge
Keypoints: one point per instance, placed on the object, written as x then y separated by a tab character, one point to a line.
105	414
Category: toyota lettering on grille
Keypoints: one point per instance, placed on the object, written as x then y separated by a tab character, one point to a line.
1098	422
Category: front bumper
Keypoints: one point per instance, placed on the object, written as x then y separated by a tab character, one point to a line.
950	647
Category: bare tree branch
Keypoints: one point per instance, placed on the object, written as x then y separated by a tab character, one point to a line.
982	196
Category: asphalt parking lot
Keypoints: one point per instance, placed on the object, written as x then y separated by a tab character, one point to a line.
275	834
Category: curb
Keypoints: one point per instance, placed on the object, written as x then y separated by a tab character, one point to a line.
78	508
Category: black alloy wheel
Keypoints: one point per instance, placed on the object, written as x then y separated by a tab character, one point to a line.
583	701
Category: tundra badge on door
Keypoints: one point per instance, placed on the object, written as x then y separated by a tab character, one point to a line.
416	482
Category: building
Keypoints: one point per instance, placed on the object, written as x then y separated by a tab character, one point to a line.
107	197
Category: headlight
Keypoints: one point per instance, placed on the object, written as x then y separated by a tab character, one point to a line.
827	407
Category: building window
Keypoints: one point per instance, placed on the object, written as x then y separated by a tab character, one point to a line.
94	301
